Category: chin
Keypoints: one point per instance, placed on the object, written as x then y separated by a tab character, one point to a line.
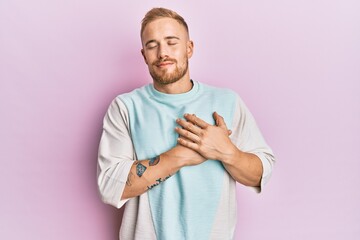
165	81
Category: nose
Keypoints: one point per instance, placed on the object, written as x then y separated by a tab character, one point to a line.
162	52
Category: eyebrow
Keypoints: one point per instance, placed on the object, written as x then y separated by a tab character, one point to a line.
167	38
172	37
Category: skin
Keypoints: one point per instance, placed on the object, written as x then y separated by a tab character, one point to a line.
166	50
164	40
213	142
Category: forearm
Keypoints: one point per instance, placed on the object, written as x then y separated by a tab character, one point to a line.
245	168
146	174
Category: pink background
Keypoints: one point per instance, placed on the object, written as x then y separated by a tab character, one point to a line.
295	63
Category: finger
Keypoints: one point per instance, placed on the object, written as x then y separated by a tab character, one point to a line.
219	120
188	144
195	120
189	126
187	134
184	138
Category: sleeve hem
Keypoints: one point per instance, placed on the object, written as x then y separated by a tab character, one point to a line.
115	187
267	169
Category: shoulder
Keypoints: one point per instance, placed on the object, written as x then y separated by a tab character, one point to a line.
136	95
219	91
119	103
137	92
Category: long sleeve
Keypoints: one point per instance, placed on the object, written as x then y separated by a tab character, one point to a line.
248	138
115	155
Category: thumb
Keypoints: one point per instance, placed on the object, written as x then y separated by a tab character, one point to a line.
219	121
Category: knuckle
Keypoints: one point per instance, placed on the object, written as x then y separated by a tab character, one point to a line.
204	134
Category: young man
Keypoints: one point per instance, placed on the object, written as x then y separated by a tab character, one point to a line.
166	149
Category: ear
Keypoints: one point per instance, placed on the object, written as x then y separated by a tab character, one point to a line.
190	48
143	54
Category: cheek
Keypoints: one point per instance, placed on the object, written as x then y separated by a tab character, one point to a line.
150	59
180	54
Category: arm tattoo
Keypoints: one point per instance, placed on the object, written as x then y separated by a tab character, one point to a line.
128	181
153	161
158	181
140	169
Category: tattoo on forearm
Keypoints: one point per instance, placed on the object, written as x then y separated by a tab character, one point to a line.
129	179
140	169
158	181
153	161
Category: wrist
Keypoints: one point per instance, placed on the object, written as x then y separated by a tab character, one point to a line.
172	161
231	155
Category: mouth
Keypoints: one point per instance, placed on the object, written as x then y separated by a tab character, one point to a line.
164	64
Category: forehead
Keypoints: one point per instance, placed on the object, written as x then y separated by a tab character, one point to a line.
163	27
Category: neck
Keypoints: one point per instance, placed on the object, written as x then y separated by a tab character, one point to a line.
183	85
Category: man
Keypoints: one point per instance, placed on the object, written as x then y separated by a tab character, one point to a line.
166	150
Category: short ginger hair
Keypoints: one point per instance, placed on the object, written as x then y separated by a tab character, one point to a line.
157	13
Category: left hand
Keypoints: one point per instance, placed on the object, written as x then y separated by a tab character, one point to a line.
211	141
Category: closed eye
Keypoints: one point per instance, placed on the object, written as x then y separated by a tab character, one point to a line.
172	40
151	45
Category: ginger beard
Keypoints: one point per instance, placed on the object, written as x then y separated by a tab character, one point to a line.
163	76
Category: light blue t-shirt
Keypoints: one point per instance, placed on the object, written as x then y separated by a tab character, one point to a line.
184	206
196	203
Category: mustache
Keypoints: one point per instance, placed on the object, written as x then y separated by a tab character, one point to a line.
164	60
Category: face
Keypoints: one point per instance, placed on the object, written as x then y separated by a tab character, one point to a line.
166	50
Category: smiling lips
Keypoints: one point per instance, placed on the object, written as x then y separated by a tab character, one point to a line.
165	63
